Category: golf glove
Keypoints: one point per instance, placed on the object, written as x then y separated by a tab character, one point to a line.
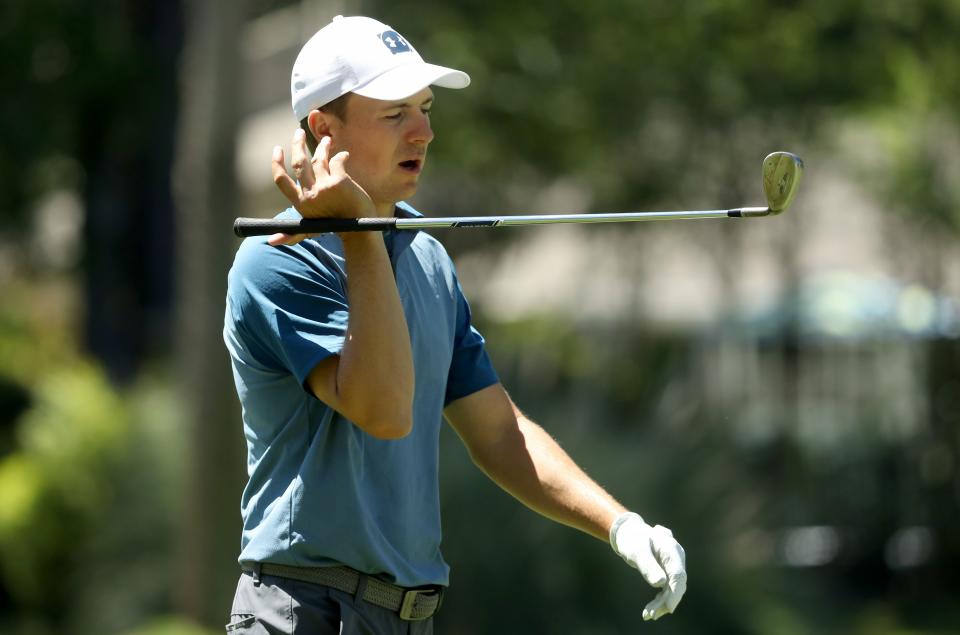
655	554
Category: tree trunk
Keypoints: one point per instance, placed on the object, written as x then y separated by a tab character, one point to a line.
206	197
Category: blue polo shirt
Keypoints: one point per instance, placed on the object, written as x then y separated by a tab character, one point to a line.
321	491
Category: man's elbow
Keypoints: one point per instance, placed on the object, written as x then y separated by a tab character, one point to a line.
388	428
386	419
499	452
384	416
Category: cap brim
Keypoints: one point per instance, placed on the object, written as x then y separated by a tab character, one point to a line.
406	80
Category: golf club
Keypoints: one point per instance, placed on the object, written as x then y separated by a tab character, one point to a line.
781	177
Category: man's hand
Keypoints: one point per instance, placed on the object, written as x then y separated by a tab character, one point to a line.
322	188
654	552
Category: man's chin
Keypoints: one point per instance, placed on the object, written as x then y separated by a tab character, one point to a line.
407	192
388	189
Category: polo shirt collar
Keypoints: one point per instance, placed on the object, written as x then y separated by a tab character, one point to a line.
405	210
398	240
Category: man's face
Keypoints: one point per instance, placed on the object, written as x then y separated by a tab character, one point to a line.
387	141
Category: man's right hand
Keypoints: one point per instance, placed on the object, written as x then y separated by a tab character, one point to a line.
322	189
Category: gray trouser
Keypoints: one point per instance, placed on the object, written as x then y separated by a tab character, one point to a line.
279	606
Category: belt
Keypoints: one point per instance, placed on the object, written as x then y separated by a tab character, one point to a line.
411	604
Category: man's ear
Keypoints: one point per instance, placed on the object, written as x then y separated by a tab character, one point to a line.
320	124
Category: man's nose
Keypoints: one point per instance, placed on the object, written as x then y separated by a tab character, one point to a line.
421	131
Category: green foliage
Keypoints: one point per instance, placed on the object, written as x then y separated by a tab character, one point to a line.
89	481
35	325
619	94
171	626
68	430
635	101
55	487
65	63
631	102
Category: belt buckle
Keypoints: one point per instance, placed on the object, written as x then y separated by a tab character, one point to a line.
410	600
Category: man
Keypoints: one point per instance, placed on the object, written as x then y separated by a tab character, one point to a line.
349	350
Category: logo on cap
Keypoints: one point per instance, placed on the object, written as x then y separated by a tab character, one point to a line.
395	42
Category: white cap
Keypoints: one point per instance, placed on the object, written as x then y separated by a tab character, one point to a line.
366	57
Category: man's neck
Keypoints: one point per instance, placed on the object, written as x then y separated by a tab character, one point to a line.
386	210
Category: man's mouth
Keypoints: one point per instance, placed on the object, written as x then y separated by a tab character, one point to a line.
412	165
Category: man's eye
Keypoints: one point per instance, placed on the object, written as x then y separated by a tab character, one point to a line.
425	111
395	116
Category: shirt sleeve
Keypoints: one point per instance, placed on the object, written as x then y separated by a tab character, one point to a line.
293	307
470	368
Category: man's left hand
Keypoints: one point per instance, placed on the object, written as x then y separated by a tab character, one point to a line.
657	555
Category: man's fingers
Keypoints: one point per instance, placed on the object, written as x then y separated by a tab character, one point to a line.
673	559
657	607
276	240
280	239
651	570
300	161
668	551
676	586
667	600
321	158
337	165
283	181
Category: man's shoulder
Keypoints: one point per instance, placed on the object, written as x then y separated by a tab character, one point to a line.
430	244
263	265
425	244
432	255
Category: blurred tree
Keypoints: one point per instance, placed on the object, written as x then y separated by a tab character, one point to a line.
631	101
628	103
206	191
90	480
55	489
625	103
92	113
636	101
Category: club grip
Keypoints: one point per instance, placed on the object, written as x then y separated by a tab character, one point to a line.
265	226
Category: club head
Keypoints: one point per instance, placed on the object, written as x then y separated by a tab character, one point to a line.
781	178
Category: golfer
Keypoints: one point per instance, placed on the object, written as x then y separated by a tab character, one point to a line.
349	351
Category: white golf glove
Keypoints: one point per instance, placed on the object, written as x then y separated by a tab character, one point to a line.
655	554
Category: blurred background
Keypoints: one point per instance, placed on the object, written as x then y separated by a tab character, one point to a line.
783	393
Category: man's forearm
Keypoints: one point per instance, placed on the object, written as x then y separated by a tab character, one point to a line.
375	377
530	465
524	460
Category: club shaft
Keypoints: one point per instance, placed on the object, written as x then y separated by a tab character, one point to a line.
261	227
